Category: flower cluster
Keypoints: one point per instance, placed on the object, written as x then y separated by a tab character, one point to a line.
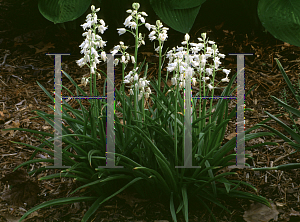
132	21
125	56
180	58
158	31
91	43
140	83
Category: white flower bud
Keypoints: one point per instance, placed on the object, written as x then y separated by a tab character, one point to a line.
194	81
136	6
131	92
186	37
116	62
123	59
152	34
93	8
221	55
103	56
113	52
132	59
144	13
142	19
158	23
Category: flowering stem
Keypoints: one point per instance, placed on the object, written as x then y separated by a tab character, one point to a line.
135	56
124	94
123	84
212	92
94	84
176	155
159	65
200	102
135	98
136	42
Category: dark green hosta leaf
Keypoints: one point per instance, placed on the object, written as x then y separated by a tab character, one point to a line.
59	11
181	20
281	18
179	4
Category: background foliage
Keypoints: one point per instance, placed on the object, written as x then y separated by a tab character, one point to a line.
279	17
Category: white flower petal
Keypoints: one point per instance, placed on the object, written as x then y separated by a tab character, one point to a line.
121	31
148	26
142	19
132	59
210	86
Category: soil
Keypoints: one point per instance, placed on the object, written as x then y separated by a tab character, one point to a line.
27	37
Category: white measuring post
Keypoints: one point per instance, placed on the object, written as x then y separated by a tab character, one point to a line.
57	113
110	130
240	118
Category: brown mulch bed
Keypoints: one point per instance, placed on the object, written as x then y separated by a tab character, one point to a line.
22	55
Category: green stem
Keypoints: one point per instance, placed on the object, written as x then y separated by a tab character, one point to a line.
135	56
200	101
176	155
212	92
211	100
124	94
159	65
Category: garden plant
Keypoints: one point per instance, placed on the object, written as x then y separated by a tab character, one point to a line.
149	144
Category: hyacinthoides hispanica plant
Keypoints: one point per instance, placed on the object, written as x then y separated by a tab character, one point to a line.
152	144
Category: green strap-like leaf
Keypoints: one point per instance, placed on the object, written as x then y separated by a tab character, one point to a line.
101	200
287	107
293	134
60	201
